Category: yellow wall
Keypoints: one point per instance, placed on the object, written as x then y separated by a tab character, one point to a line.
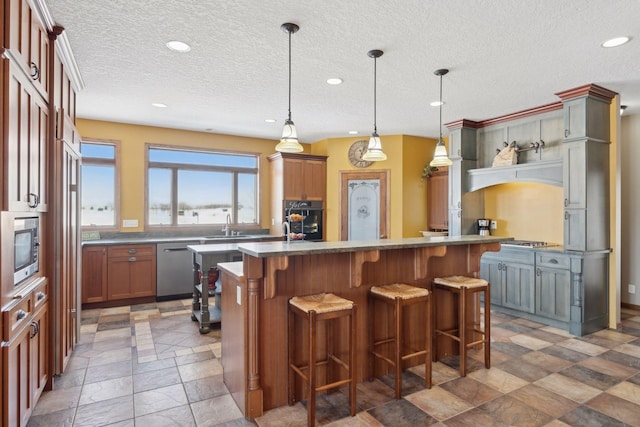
406	157
132	140
528	211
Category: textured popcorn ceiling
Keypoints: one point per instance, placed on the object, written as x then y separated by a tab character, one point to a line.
504	56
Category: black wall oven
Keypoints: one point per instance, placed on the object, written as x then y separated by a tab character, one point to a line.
305	219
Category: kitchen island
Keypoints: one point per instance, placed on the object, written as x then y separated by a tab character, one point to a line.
255	303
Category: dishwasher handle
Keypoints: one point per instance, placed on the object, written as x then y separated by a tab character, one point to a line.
176	249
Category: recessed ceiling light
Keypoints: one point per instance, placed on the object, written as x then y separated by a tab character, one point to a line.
436	103
353	132
178	46
159	105
334	81
614	42
270	120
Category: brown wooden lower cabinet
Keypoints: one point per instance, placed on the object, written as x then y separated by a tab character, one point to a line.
25	354
118	272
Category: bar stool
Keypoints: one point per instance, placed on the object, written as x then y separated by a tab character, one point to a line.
399	296
316	308
464	287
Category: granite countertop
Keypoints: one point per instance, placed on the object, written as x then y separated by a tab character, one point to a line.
270	249
200	239
234	268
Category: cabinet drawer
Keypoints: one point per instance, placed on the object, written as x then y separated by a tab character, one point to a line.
40	295
552	260
16	315
524	256
131	250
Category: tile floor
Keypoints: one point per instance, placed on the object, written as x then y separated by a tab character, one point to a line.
147	365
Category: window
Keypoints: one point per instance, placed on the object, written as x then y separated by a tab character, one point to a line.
99	171
197	187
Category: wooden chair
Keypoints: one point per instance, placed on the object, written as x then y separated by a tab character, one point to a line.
399	296
317	308
465	331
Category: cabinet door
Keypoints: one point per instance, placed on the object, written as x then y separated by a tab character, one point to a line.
437	199
491	271
575	229
519	288
575	179
28	42
27	130
314	178
94	274
553	293
575	118
292	175
17	381
131	277
39	354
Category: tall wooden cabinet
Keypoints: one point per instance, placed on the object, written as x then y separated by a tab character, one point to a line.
39	167
295	177
438	200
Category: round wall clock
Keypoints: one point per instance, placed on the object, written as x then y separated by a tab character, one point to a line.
356	151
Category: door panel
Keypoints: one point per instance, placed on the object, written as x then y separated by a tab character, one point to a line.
353	178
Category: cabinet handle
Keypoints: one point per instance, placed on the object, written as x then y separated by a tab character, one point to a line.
40	295
566	215
459	204
499	266
538	272
35	202
35	71
133	251
566	133
132	259
553	261
566	202
21	314
459	214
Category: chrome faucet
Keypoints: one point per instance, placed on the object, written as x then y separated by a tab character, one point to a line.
227	229
287	230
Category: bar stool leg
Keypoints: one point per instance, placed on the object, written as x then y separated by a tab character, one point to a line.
462	325
428	344
311	397
352	362
398	350
291	356
487	328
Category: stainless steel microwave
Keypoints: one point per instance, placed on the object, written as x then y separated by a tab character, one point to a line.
26	245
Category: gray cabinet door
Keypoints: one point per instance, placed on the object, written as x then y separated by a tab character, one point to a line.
553	293
575	229
575	174
518	291
491	271
575	119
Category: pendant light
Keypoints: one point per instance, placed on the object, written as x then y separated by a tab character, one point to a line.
374	151
289	141
440	157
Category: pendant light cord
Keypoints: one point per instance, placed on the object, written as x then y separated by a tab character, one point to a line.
375	98
290	75
440	127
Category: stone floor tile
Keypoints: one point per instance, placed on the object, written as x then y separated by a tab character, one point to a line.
438	402
544	400
523	369
568	387
107	411
616	407
159	399
108	371
590	377
584	416
179	416
284	416
608	367
105	390
57	400
471	390
514	412
155	379
194	371
401	413
215	411
474	417
500	380
626	390
583	347
529	342
545	361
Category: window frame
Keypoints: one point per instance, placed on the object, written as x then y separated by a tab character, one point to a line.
94	161
175	167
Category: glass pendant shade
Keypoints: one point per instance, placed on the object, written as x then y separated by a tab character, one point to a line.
440	157
289	141
374	151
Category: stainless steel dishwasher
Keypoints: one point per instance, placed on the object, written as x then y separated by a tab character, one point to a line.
174	271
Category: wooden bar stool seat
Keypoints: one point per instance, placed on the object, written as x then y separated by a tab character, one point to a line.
399	296
316	308
466	332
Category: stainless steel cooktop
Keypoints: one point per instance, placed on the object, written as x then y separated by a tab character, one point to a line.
526	243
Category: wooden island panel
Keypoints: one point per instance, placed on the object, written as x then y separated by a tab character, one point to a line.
271	280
